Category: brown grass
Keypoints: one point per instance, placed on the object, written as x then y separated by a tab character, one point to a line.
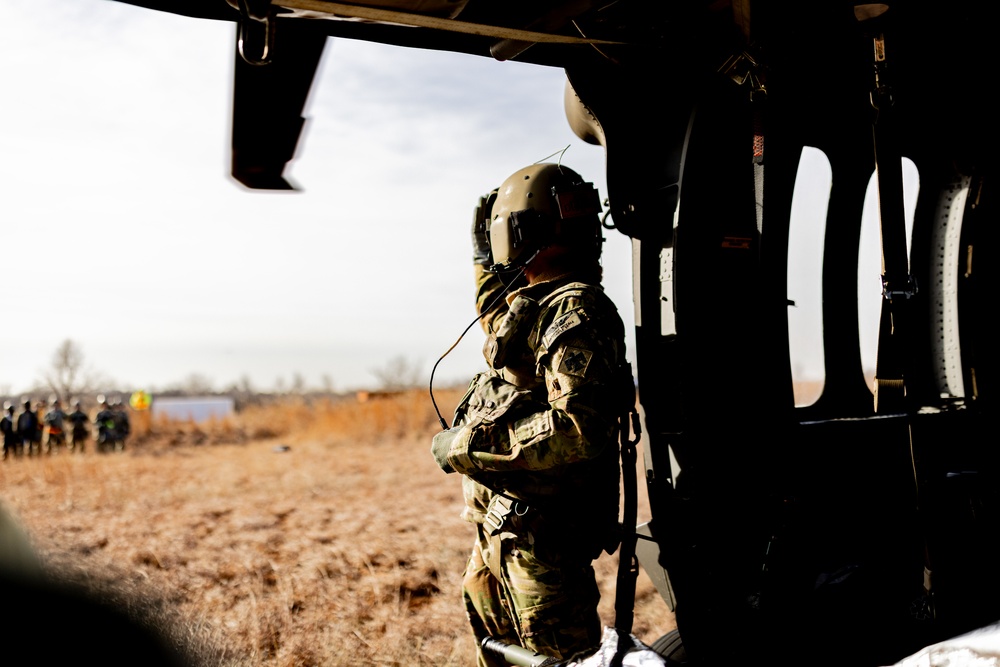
294	534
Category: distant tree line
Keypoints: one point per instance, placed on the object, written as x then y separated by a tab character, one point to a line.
67	377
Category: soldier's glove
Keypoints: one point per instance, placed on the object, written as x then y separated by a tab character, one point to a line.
441	447
481	253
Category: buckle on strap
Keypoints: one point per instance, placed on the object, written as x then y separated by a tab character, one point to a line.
498	511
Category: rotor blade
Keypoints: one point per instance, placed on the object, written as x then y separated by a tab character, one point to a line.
267	106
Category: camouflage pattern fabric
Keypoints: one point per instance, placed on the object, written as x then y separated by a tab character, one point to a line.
539	428
546	607
489	286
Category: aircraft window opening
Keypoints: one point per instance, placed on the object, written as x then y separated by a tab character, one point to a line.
806	233
870	264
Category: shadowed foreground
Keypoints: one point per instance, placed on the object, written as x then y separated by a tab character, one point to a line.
320	535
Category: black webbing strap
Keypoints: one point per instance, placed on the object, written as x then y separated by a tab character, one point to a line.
628	564
897	283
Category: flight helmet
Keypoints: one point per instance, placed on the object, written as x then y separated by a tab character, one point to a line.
539	206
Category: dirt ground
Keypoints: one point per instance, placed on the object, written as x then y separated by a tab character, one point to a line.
305	549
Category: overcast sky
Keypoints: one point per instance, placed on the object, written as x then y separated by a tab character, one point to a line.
124	232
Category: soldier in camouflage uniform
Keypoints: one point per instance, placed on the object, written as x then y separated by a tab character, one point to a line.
28	429
79	433
535	436
123	425
105	423
8	431
54	419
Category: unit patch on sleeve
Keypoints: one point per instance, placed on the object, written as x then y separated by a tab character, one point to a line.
561	326
575	361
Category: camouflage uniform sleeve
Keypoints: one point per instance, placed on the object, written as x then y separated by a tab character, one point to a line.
577	424
488	288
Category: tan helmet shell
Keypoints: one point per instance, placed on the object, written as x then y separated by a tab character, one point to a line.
535	188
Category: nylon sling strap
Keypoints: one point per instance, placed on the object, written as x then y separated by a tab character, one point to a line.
897	284
628	564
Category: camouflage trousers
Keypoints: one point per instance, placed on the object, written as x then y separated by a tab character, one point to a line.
546	603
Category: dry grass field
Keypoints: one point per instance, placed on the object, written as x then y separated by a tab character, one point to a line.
292	534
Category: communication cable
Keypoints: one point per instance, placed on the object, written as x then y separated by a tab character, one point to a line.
488	308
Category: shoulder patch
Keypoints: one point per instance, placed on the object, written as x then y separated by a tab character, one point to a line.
561	325
575	361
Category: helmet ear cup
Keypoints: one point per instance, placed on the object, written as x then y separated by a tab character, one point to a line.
531	230
577	200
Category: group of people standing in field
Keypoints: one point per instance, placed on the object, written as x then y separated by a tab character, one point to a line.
46	428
